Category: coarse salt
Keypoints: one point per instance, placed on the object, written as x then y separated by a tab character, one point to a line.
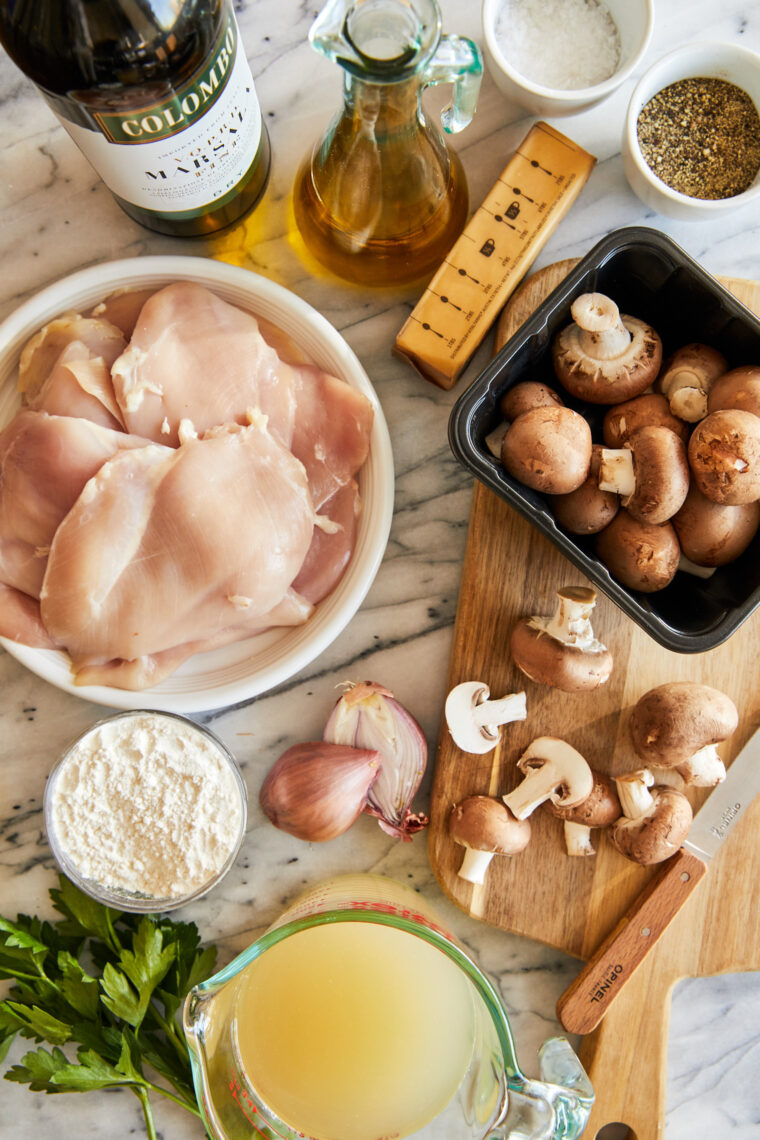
562	44
147	804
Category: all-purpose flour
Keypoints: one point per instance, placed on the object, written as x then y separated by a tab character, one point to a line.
148	804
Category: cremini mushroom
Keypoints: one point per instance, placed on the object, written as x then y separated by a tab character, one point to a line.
713	534
526	395
474	720
724	455
654	823
687	377
600	809
650	473
554	771
649	410
548	449
643	556
678	724
485	827
603	357
562	650
587	510
739	388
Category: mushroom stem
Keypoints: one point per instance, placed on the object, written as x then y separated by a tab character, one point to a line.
571	621
633	790
554	771
578	839
490	714
603	335
616	471
474	865
694	568
686	396
704	769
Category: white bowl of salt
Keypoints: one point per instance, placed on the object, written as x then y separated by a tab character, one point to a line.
556	57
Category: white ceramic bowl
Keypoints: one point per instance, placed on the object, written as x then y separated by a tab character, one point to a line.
635	21
241	671
736	64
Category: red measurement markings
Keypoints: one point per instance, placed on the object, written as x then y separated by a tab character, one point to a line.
238	1091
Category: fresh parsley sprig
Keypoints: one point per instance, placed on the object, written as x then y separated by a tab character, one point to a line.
109	985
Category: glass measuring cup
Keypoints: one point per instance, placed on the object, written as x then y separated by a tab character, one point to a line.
356	1016
381	198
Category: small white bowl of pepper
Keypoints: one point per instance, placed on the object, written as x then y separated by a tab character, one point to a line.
691	144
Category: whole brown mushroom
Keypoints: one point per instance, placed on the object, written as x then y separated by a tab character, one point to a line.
562	650
485	827
548	449
526	395
600	809
724	456
687	377
713	534
587	510
649	410
603	357
642	556
654	824
678	724
739	388
650	473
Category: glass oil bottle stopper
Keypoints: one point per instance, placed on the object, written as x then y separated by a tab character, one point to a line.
382	198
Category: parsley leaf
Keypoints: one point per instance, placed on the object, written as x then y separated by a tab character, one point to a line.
109	983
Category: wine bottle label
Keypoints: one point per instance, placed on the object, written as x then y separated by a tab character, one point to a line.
185	153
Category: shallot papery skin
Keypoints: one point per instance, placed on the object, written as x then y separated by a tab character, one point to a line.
369	716
316	790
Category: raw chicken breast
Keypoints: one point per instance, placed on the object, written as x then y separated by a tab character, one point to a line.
332	544
160	550
39	354
45	462
79	384
194	356
20	619
122	308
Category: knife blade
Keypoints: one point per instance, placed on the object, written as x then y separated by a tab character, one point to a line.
585	1002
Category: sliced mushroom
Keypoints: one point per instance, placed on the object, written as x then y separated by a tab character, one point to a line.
600	809
587	510
678	724
474	720
640	555
485	827
739	388
526	395
724	455
562	650
548	449
650	472
687	378
649	410
554	771
713	534
604	357
655	833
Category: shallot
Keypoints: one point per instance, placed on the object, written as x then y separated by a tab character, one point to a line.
369	716
316	790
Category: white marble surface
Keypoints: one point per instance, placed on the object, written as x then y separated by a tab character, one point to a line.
57	217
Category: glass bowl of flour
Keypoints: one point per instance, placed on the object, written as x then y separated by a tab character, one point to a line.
145	811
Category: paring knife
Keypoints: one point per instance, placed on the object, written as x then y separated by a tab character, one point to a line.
584	1003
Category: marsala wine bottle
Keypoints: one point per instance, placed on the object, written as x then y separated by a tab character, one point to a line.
159	97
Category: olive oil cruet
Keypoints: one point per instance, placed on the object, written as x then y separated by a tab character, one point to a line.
382	198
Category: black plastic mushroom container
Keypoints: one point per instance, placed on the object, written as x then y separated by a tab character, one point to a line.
648	276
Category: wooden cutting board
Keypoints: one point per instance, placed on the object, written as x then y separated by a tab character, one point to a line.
510	570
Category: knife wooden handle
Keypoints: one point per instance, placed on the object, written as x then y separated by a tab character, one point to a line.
584	1003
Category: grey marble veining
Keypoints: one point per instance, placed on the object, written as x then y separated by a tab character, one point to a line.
57	217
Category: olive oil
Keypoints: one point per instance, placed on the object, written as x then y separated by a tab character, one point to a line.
158	96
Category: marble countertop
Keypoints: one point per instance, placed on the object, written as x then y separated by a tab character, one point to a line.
56	218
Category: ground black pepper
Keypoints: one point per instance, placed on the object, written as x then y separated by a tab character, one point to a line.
701	136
